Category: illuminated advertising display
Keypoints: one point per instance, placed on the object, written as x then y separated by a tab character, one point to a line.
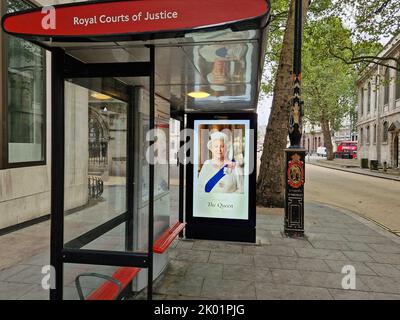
221	170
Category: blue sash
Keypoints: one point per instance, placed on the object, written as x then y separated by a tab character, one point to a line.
215	179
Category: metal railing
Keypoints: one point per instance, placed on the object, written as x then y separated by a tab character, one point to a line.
96	187
98	154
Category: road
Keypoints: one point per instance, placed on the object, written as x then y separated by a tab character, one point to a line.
374	198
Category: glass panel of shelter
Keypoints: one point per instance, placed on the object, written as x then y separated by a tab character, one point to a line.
95	156
96	115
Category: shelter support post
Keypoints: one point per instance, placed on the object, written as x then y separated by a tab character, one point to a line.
181	177
151	175
57	174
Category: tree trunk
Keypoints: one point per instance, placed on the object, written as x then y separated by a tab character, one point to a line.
326	130
271	182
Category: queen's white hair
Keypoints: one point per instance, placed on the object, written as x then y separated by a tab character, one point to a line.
220	136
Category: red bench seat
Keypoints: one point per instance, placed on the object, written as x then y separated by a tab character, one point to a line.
109	290
165	240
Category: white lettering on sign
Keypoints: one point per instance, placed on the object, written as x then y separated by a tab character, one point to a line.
106	19
164	15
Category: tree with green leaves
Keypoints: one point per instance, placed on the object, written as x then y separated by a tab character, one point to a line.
329	91
371	22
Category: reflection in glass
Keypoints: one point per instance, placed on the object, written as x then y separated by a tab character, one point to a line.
26	97
95	169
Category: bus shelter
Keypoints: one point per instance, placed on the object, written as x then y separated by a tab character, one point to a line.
120	69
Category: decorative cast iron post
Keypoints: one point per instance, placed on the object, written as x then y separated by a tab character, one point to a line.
295	154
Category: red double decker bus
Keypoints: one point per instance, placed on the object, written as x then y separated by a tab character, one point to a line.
347	150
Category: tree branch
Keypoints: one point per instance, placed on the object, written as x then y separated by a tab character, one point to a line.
366	59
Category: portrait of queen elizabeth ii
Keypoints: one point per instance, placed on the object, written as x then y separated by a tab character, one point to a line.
221	173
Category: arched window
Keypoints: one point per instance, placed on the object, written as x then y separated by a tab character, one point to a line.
369	98
385	131
387	86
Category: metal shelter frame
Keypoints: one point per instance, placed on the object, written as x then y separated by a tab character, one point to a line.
64	67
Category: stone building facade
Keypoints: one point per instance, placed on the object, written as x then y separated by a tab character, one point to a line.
379	109
313	138
25	137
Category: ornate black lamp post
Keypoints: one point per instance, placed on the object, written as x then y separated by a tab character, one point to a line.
295	154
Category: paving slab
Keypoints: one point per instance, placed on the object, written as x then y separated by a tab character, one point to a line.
385	270
13	291
361	295
190	255
320	254
270	250
234	259
266	291
305	264
205	270
381	284
177	267
229	289
174	285
217	246
328	244
359	256
247	273
360	267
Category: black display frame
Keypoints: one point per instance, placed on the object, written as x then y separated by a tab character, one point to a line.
217	228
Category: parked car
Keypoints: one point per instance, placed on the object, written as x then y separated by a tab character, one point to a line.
321	152
347	150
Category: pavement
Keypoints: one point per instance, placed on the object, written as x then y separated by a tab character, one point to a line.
274	268
281	268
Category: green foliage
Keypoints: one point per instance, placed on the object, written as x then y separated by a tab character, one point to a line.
372	19
329	89
279	14
370	22
334	55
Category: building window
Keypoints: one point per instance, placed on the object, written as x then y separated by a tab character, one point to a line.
398	82
362	101
375	133
361	136
368	135
376	91
387	86
385	131
369	98
25	97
